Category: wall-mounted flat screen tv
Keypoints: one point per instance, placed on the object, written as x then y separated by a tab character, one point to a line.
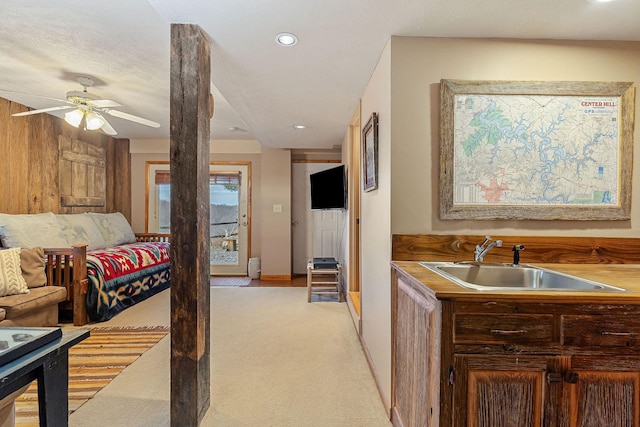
329	189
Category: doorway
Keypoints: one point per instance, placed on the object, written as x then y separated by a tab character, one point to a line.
315	233
230	224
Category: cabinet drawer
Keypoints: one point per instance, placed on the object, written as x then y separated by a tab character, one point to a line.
600	331
503	328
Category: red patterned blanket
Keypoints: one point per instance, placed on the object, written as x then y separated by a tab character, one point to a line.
123	275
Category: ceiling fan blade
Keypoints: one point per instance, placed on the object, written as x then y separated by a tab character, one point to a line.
44	110
104	103
131	117
35	96
106	127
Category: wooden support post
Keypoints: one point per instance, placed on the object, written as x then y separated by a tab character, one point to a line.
189	155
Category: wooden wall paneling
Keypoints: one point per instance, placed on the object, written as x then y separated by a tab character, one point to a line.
122	185
18	153
118	197
49	170
64	173
34	179
5	170
35	173
111	176
14	169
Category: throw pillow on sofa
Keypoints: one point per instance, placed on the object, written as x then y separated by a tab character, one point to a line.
31	230
79	229
11	280
32	263
114	228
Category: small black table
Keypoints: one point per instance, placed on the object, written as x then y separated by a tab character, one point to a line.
49	364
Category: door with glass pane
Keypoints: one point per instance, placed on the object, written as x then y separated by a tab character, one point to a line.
229	208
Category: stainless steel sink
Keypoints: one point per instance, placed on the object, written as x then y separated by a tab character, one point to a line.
491	277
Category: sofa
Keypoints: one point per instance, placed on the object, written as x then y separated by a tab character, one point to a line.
96	257
26	299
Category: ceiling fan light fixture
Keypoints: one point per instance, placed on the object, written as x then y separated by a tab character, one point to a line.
86	110
74	118
286	39
93	121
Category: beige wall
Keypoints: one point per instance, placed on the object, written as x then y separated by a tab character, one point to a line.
404	90
418	66
375	228
276	226
270	175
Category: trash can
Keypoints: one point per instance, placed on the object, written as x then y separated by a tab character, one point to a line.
254	268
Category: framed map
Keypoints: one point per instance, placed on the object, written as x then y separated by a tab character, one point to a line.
536	150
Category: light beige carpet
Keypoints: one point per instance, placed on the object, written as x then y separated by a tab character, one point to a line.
276	361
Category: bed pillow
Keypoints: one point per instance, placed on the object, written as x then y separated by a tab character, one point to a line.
32	263
11	280
81	229
114	227
31	230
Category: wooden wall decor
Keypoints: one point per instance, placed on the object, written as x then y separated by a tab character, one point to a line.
82	173
30	164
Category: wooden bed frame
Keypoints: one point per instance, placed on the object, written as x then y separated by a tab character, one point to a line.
75	279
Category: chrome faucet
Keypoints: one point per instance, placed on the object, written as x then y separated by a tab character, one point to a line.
484	247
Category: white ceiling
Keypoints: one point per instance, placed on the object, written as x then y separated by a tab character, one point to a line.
124	45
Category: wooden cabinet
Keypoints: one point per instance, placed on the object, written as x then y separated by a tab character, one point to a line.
601	391
512	364
507	391
499	391
416	356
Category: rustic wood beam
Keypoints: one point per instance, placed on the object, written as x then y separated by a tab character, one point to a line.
189	161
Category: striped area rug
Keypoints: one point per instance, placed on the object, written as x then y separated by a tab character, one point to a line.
230	281
93	363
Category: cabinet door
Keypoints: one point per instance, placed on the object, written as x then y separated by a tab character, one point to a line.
416	358
504	391
604	392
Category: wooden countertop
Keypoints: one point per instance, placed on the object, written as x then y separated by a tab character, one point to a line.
626	276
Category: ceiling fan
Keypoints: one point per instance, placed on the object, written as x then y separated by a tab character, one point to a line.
88	109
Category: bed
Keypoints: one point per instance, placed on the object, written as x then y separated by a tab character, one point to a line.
104	266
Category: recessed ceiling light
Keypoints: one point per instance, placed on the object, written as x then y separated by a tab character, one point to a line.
299	127
286	39
599	1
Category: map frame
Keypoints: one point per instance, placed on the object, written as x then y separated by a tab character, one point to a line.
623	91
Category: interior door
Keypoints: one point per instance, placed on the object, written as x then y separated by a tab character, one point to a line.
229	212
315	233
